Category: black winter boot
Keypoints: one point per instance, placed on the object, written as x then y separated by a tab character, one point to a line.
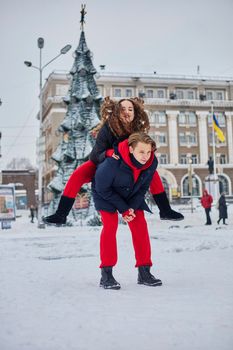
107	280
165	210
146	278
59	218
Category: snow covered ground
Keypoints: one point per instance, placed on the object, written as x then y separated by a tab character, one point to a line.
50	299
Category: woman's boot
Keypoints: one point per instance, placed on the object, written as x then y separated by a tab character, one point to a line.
59	217
165	210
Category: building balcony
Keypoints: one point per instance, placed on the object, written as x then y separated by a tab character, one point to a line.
187	103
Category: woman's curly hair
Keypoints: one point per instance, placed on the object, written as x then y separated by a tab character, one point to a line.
110	112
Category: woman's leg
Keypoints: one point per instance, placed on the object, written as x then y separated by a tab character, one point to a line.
141	240
108	242
160	198
208	220
83	174
224	222
156	185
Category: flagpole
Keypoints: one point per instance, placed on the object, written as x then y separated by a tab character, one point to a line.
214	151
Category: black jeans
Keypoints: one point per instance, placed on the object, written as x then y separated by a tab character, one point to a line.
208	220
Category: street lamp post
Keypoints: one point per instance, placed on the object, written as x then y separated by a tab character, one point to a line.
0	158
63	51
0	150
191	182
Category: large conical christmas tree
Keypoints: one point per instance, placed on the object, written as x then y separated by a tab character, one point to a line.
83	106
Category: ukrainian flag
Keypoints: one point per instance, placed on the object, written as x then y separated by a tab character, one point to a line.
218	130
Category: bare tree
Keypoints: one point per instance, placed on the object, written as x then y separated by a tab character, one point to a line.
20	164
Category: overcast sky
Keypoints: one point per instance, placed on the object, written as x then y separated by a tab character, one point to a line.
166	36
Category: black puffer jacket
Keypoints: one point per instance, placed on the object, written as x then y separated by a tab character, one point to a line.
114	187
105	140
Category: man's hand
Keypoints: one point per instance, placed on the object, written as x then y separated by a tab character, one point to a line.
129	215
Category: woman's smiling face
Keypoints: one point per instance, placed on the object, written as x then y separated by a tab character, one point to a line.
127	111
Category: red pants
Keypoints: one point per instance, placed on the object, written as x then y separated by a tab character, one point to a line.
156	185
82	175
85	173
140	238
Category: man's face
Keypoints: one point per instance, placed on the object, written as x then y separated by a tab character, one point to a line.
141	152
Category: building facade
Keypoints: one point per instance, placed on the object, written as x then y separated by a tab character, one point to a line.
179	109
25	182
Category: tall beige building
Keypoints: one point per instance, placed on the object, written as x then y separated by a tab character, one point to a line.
179	109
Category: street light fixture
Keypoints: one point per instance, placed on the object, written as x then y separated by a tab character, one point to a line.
63	51
28	64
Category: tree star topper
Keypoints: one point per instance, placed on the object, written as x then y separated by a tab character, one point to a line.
83	13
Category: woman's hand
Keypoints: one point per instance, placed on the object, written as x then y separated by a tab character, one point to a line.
110	153
115	156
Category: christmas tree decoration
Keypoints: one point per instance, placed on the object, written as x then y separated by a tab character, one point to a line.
83	114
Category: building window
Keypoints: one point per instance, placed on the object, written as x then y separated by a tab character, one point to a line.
183	159
219	95
182	139
190	95
188	118
149	93
220	118
161	138
194	158
159	118
117	92
222	159
192	119
160	93
210	119
163	159
210	138
209	95
182	119
61	89
128	92
217	141
223	184
179	94
192	138
188	138
195	187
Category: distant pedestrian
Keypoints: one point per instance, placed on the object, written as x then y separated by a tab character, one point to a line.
206	201
32	213
36	212
222	207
